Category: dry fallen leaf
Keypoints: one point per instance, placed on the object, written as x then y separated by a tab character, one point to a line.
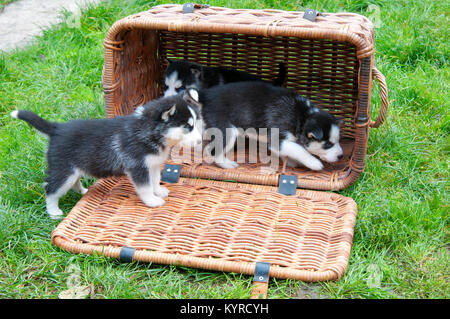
79	292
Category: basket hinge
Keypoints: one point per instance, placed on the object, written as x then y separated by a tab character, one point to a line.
311	15
171	173
126	254
189	7
260	280
287	185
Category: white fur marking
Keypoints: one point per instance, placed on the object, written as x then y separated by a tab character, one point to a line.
147	196
290	137
139	111
194	94
78	187
220	157
173	83
298	153
334	134
153	163
15	114
53	199
329	155
194	115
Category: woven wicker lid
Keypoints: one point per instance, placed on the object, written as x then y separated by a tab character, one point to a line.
216	226
345	26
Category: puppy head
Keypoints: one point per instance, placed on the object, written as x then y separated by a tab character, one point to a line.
181	75
320	136
175	118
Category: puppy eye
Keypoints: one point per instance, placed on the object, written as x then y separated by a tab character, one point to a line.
327	145
181	88
165	87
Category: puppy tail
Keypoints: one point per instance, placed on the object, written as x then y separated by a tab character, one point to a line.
39	123
281	78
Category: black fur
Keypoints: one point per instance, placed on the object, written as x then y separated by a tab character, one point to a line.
245	105
110	147
194	75
261	105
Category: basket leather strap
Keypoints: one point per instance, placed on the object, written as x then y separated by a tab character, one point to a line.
126	254
260	281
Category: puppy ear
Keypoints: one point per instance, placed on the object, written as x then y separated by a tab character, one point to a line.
315	133
165	115
196	70
191	96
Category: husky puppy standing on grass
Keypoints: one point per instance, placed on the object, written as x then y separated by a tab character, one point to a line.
134	145
182	74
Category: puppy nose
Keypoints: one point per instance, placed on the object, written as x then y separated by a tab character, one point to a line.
340	156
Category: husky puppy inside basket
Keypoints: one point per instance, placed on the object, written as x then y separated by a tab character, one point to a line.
230	101
183	74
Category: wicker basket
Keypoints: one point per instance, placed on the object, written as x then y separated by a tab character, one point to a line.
331	61
227	226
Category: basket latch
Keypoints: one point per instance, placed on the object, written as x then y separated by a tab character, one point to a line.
189	7
311	15
260	281
287	185
171	173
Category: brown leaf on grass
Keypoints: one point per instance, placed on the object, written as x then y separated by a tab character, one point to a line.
79	292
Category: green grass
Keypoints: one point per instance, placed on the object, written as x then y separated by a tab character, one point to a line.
402	225
3	3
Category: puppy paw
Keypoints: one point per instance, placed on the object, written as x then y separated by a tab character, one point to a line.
161	191
56	214
79	189
153	201
314	164
226	163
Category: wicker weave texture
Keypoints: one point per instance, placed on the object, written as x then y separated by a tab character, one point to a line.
217	226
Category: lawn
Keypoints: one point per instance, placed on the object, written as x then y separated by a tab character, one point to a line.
3	3
401	235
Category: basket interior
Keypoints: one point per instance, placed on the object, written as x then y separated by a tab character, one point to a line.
326	71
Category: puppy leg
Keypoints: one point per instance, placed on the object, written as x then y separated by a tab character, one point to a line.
298	153
220	156
292	163
155	176
143	186
58	184
78	187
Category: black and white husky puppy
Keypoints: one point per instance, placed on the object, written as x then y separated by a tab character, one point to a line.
182	74
304	129
135	145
